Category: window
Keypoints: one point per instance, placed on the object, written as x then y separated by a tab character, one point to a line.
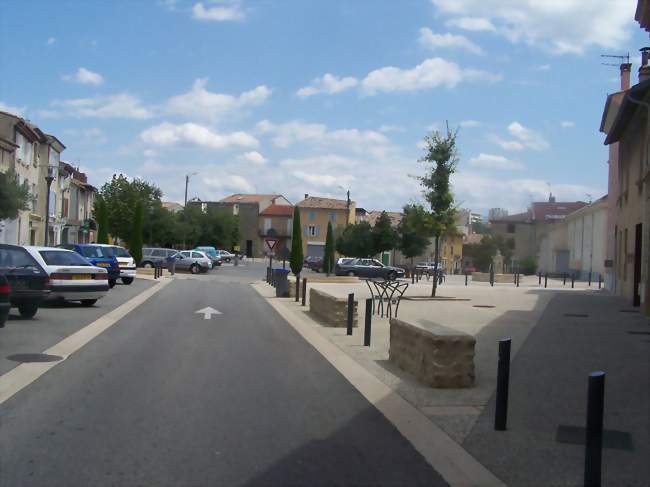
54	158
196	255
311	230
93	251
13	257
52	203
235	209
312	215
289	226
185	254
332	217
511	228
62	257
25	150
267	225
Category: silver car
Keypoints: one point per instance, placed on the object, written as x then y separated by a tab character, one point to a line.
193	260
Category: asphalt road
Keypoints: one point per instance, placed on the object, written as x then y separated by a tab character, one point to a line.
166	397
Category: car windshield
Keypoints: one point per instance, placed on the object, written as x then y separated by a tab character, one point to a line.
63	257
95	251
117	252
11	258
208	251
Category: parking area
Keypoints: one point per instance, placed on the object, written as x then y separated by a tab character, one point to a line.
55	321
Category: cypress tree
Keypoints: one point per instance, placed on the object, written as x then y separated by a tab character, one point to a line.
296	259
328	258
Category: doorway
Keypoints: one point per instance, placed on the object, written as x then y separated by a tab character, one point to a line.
638	235
249	248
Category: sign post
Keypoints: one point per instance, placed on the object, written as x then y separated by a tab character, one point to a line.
271	242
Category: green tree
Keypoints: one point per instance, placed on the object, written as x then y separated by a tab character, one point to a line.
483	252
328	258
528	266
296	258
102	221
135	239
441	159
356	241
384	236
14	197
412	231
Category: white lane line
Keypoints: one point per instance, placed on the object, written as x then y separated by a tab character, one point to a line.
457	466
26	373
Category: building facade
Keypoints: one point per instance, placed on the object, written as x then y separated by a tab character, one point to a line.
315	214
587	240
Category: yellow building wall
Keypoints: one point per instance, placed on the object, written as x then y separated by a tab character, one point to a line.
320	219
452	254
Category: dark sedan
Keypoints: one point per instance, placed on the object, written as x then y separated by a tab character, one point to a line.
369	268
314	263
29	284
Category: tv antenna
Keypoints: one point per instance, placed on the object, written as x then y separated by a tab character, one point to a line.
623	58
588	196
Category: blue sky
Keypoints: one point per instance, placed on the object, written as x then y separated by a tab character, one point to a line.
314	96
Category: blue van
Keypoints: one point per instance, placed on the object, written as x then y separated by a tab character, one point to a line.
98	256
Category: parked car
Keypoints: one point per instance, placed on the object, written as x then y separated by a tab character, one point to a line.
470	269
29	284
5	304
314	263
367	268
98	256
125	262
192	260
211	252
225	255
152	256
72	277
428	267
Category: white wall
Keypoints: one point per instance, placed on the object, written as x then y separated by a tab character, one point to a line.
587	241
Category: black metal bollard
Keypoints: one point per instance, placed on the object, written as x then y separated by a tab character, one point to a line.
518	275
599	280
350	312
413	277
304	291
589	278
594	436
564	279
540	278
366	331
545	280
503	379
297	288
573	280
466	278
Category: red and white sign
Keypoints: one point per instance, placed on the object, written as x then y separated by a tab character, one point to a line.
271	242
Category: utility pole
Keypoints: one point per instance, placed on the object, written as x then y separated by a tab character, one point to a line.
347	222
187	182
48	179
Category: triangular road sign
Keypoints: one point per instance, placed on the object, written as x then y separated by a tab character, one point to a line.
271	242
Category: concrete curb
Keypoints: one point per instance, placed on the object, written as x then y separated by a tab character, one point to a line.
448	458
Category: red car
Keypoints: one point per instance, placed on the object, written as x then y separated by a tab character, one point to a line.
470	269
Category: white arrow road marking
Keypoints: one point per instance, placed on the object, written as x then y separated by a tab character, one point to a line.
207	312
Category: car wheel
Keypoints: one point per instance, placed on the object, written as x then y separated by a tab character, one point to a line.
392	275
351	273
88	302
111	283
147	265
127	280
28	310
228	259
195	269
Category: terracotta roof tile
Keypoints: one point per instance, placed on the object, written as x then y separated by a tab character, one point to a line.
248	198
324	203
278	210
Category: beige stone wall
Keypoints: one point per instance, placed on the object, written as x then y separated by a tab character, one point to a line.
498	278
439	358
331	310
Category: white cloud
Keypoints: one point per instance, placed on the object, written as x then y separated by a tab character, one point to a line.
18	111
529	138
567	124
201	103
328	84
85	77
476	24
232	183
469	124
490	161
543	67
150	153
318	135
255	157
228	11
391	128
50	41
324	180
440	41
169	134
91	135
121	105
481	192
559	26
511	145
324	162
431	73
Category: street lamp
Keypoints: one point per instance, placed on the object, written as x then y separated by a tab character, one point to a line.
48	179
187	182
347	221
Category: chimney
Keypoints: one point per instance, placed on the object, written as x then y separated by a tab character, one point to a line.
551	198
626	69
306	196
644	70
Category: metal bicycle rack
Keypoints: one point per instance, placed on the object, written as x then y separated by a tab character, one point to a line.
386	292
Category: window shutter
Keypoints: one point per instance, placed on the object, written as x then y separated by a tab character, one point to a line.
305	230
317	230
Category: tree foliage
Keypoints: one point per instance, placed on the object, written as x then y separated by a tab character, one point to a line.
413	232
328	258
441	159
297	258
356	241
384	235
483	252
14	197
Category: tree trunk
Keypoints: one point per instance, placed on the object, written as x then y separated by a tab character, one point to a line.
436	261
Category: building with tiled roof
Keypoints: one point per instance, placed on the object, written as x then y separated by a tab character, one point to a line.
315	213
